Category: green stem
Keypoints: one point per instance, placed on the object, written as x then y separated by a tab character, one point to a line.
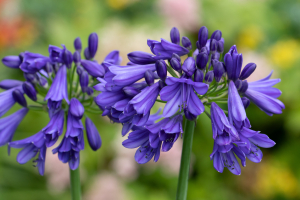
75	184
182	186
161	101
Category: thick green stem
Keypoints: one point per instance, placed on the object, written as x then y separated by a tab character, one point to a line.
182	186
75	184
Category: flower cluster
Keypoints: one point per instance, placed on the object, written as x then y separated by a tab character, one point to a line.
188	81
62	85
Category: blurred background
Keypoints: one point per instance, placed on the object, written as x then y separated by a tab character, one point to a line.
267	32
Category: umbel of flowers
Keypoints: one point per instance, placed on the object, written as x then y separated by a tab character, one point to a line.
62	85
189	82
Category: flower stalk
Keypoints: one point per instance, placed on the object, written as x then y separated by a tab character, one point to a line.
75	184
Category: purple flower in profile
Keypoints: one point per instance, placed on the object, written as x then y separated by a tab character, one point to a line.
179	94
93	68
224	156
10	83
262	94
165	49
7	100
59	88
54	128
32	146
12	61
9	124
141	58
33	62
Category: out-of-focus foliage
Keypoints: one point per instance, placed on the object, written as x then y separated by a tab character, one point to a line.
266	32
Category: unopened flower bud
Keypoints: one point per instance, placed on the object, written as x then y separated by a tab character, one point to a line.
174	55
198	75
201	60
218	70
238	84
186	43
76	108
93	68
29	90
77	44
149	77
189	115
93	44
131	91
31	77
213	45
90	91
202	37
161	69
246	102
175	35
216	35
19	97
49	68
76	57
67	58
248	70
84	80
79	70
161	84
209	77
244	86
220	45
87	54
12	61
189	66
139	57
175	64
92	134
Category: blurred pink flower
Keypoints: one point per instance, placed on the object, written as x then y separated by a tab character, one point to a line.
184	14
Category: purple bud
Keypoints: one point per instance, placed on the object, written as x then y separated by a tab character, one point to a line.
139	57
246	102
87	54
93	68
131	91
92	134
49	68
239	63
201	60
189	66
31	77
186	43
130	63
213	45
175	35
67	58
189	115
9	83
79	70
161	68
19	97
77	44
209	77
76	108
220	45
215	56
43	81
29	90
76	57
175	64
244	86
229	65
218	70
161	84
149	77
12	61
217	35
248	70
84	80
202	37
198	76
238	84
93	44
174	55
90	91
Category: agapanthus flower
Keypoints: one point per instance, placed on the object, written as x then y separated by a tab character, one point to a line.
58	88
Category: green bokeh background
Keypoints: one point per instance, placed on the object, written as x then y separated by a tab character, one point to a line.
267	32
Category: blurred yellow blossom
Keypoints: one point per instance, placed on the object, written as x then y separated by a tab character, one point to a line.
119	4
250	37
275	179
284	54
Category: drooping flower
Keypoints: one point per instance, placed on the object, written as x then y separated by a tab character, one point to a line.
7	100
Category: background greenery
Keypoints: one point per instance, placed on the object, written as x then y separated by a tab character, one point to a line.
267	32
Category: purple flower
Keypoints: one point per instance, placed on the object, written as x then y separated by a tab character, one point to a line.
33	62
262	94
77	44
180	94
31	147
141	58
19	97
59	89
93	44
7	100
9	124
113	57
12	61
189	66
29	90
165	49
224	156
76	108
233	63
175	35
54	128
53	107
55	54
10	83
236	110
93	135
